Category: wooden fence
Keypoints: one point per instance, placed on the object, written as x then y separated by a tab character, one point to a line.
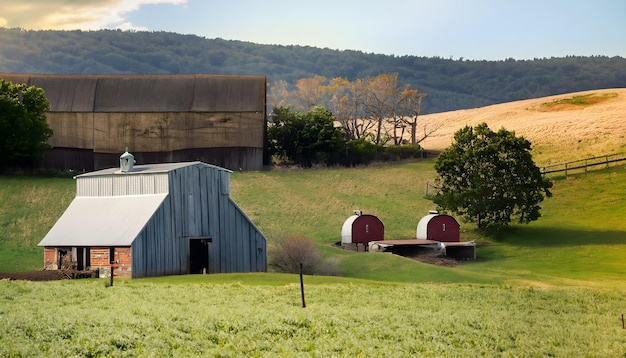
431	189
585	165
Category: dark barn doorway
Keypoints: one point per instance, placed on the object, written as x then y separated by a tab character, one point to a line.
83	258
199	255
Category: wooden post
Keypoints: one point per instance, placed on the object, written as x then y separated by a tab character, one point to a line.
302	287
623	326
112	269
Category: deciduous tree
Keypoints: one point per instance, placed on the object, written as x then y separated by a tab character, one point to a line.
378	95
409	109
305	138
309	92
490	178
23	129
346	105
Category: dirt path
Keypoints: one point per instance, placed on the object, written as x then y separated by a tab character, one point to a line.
46	275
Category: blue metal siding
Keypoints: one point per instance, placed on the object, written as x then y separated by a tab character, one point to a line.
199	205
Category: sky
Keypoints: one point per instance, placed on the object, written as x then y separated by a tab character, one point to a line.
472	30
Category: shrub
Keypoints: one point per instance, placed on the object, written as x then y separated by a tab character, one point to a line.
287	253
305	138
404	151
360	151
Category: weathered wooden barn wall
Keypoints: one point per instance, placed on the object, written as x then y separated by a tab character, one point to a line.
161	118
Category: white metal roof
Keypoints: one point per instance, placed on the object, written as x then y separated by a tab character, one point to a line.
103	221
149	168
422	227
346	229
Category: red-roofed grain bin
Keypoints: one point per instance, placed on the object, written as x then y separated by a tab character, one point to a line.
361	229
438	227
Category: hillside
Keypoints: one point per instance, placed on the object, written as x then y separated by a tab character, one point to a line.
560	131
451	84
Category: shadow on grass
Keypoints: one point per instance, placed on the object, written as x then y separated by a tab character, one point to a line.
558	237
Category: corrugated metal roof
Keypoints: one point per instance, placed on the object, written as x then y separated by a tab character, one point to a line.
149	93
15	77
229	94
73	94
150	168
66	93
103	221
145	94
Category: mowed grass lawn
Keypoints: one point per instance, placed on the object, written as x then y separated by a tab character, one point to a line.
551	288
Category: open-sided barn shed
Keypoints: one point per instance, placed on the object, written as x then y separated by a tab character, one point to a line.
155	220
161	118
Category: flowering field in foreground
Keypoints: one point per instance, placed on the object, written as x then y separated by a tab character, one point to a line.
341	318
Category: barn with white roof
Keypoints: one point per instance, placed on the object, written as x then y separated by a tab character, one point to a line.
155	220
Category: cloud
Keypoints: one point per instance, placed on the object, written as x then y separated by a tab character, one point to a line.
73	15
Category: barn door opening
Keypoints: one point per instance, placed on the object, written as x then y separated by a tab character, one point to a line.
199	255
83	259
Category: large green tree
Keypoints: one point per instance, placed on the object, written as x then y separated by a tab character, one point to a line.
490	178
305	138
23	129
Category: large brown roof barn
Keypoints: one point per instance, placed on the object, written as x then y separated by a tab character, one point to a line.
215	119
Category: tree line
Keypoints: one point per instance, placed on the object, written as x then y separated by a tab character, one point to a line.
311	138
375	108
450	83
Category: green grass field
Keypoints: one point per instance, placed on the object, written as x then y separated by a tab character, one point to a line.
260	315
552	288
29	207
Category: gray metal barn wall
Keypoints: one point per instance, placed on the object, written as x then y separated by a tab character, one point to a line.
154	251
250	244
198	205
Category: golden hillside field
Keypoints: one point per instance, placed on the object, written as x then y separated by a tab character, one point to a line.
559	130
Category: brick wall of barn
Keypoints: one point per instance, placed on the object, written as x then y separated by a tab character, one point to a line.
101	259
50	261
59	258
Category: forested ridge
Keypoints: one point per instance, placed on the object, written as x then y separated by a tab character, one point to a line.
450	83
